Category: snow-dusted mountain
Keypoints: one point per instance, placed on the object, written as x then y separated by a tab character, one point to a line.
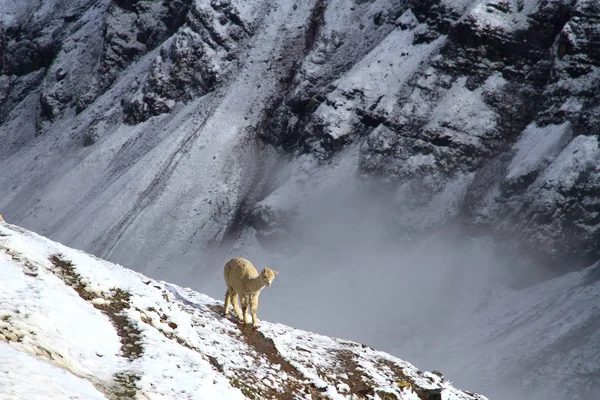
404	161
119	115
73	326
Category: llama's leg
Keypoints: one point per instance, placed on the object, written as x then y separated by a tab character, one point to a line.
254	307
236	306
245	302
227	302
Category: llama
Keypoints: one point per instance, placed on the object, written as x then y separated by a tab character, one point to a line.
243	280
1	219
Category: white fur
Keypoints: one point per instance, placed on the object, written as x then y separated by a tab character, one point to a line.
243	280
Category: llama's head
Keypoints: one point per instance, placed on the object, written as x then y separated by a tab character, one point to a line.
268	275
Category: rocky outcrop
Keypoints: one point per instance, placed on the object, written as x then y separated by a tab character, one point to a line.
193	62
135	27
292	119
73	53
557	193
28	47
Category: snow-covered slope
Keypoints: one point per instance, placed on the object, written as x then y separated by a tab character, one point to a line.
73	326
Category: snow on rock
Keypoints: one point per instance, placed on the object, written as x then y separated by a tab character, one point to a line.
562	175
537	148
508	15
372	79
463	114
156	340
371	83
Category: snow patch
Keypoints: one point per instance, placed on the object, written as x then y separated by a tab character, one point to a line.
507	15
463	114
536	148
27	377
579	155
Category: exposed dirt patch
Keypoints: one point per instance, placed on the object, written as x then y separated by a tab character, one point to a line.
346	370
215	363
360	384
113	306
217	309
126	386
408	383
294	384
266	347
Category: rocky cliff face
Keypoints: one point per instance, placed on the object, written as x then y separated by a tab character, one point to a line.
498	95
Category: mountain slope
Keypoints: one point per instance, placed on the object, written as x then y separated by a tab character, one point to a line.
540	342
125	114
98	331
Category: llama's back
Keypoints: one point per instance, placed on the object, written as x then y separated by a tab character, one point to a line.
237	270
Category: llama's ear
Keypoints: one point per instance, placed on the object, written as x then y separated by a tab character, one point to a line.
275	272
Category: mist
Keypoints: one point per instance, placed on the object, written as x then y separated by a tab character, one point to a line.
354	264
348	269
